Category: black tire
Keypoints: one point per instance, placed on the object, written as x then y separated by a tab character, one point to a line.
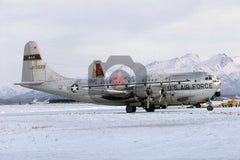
150	109
134	109
130	109
163	107
210	108
197	105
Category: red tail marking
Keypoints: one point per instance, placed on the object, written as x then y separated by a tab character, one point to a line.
99	71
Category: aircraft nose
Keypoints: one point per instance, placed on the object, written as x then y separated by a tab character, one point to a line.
218	93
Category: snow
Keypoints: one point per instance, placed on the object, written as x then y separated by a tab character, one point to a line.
87	131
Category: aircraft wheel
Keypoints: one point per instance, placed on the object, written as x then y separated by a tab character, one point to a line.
130	109
163	107
210	108
197	105
150	109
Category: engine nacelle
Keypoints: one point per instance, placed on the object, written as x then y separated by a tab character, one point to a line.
140	91
156	92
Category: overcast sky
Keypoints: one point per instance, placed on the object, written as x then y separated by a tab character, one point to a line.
73	33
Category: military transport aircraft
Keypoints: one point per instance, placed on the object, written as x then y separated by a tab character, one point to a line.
156	91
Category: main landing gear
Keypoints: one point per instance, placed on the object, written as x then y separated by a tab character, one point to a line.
131	109
151	108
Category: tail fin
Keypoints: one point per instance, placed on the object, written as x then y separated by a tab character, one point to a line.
34	68
97	70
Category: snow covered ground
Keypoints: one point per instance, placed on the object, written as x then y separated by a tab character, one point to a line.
86	131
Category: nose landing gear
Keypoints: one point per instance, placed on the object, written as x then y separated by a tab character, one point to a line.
210	107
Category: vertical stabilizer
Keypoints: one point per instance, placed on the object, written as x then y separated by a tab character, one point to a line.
34	68
97	70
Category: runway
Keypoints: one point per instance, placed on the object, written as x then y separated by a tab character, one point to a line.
86	131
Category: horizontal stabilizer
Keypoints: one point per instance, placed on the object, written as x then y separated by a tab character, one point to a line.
29	83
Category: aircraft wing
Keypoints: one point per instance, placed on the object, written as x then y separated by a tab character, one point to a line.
129	84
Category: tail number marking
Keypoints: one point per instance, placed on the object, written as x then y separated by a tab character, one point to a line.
39	67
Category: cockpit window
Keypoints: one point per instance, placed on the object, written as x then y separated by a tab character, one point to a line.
209	77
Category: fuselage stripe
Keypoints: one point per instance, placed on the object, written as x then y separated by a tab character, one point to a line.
32	57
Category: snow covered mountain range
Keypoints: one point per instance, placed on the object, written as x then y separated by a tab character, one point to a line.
227	68
9	90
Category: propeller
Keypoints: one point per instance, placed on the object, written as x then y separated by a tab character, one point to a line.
148	90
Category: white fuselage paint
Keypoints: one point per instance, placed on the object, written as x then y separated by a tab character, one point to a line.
175	92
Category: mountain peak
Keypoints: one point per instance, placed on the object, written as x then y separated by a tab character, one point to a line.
222	55
220	59
190	58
